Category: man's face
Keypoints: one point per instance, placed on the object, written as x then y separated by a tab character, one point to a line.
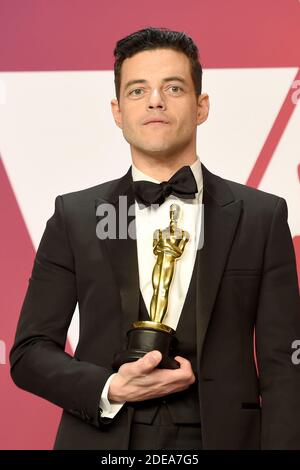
158	110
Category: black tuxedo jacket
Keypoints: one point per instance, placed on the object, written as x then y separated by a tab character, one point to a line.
246	287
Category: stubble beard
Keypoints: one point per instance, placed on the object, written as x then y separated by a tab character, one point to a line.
158	150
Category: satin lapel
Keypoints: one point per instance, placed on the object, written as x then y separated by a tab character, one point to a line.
122	250
221	216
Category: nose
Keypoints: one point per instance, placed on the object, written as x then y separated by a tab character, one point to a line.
156	100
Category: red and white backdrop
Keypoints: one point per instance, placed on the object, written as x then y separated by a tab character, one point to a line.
57	133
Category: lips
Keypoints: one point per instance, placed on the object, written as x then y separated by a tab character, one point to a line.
155	121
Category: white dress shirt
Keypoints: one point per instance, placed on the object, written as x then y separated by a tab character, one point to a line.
147	221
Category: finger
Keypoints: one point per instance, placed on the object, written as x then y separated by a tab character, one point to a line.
183	362
186	369
148	362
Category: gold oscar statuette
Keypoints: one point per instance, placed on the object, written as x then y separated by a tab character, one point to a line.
145	336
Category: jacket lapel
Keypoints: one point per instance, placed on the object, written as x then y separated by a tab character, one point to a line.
122	250
221	216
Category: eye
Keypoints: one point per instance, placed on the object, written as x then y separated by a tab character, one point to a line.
175	89
136	92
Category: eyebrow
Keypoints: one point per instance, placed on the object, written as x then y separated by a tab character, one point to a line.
165	80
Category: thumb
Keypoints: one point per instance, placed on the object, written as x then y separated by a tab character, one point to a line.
149	361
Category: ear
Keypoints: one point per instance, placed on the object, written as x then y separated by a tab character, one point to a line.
115	109
203	108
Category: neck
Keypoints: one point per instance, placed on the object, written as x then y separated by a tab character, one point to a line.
162	167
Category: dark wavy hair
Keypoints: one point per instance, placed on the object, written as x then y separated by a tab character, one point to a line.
157	38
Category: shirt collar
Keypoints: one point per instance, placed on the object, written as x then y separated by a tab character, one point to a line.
138	175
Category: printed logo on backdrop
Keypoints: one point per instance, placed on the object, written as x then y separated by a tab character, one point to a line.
296	94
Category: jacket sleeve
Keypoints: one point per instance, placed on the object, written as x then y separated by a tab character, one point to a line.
39	363
277	327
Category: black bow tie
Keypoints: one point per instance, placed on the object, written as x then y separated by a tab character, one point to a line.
182	185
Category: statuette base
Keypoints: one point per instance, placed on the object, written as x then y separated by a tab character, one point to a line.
147	336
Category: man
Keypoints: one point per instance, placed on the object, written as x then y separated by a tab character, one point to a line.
242	280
